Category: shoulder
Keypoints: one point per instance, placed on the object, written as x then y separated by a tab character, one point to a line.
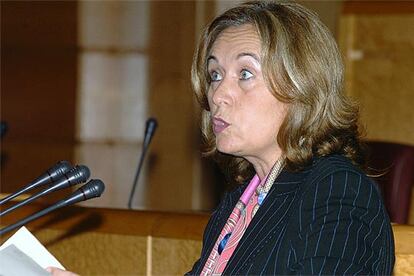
328	165
335	185
337	173
341	222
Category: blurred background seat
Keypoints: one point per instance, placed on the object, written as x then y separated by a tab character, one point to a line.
394	163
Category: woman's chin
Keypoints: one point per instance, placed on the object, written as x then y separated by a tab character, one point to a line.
226	148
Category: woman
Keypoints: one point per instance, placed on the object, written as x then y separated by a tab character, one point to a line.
268	77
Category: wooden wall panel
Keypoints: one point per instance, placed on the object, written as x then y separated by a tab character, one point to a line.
38	70
379	57
377	42
378	7
172	160
179	179
38	87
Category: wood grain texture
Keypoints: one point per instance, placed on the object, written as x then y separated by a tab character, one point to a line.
76	220
115	242
22	162
92	253
38	87
404	249
378	7
39	69
172	158
174	256
378	51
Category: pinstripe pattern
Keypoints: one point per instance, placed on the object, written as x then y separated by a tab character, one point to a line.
327	219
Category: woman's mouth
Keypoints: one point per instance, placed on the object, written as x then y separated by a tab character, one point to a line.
219	125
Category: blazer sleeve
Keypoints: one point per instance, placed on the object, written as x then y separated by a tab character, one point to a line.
343	228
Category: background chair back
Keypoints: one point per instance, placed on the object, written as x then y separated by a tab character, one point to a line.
396	163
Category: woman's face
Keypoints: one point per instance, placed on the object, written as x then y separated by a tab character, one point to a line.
245	116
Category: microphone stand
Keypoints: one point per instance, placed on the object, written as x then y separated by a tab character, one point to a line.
30	218
150	128
77	175
141	161
50	175
93	188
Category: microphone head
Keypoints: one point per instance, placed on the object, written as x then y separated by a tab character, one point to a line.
78	174
150	128
59	169
151	125
93	188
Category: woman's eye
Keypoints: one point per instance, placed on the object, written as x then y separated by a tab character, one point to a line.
214	76
245	75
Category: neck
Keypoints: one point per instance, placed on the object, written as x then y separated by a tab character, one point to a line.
264	165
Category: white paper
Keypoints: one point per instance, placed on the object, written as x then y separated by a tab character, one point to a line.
14	262
29	245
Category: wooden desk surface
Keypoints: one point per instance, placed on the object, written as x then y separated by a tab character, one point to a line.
116	221
142	242
98	241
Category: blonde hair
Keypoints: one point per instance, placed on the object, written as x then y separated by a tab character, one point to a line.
303	68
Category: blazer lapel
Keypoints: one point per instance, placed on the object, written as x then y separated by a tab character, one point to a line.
230	200
268	223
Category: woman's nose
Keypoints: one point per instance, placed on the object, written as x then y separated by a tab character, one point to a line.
222	92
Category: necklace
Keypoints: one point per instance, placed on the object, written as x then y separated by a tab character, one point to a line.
263	190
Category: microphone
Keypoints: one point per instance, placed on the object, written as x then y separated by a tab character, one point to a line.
150	128
92	189
78	174
50	175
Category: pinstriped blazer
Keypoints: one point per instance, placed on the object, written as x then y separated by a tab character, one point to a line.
327	219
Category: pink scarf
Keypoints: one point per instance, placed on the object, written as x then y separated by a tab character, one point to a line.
233	230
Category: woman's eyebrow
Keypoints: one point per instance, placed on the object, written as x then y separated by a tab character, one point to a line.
253	55
247	54
211	58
